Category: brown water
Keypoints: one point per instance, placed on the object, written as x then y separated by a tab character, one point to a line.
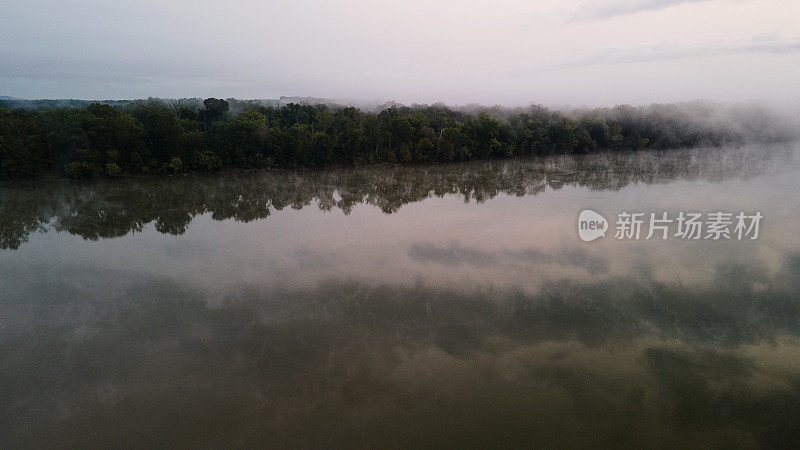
444	305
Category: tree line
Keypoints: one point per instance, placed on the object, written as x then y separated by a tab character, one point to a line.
156	137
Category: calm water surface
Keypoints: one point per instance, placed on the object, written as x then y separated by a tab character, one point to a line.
447	305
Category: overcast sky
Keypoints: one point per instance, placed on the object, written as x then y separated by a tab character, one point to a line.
580	53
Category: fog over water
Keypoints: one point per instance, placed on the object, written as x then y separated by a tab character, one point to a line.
421	305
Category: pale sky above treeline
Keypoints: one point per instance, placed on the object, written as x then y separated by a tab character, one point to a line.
579	53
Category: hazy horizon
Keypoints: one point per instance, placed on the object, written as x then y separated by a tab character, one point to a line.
508	53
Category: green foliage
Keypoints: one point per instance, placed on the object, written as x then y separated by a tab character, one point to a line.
78	170
113	170
208	161
151	137
174	165
214	110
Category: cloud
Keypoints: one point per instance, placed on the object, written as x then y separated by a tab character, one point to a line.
455	254
766	36
758	44
452	255
608	9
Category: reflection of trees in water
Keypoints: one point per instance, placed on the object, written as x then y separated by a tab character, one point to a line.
623	362
105	209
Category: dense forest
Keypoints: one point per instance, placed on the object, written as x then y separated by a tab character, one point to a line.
157	137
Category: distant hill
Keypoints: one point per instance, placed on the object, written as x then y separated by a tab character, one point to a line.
11	102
